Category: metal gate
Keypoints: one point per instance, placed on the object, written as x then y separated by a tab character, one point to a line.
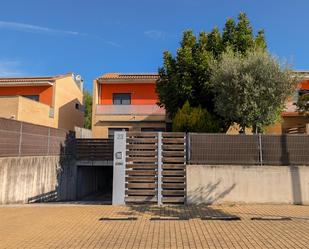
149	167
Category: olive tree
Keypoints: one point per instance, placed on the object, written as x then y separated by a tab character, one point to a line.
251	90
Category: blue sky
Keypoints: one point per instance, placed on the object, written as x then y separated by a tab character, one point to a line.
41	37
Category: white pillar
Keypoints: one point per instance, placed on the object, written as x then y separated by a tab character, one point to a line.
119	168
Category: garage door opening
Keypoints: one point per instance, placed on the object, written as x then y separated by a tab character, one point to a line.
95	183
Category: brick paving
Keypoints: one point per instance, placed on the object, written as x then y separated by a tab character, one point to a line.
82	226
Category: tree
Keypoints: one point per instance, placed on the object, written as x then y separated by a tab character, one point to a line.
251	90
228	36
303	104
260	40
194	119
244	40
88	109
214	42
186	76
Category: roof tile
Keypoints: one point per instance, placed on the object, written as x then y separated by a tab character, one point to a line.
126	76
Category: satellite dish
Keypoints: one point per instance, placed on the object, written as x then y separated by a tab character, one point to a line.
78	78
79	81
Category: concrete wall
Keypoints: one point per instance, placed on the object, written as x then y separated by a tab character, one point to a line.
247	184
82	132
30	179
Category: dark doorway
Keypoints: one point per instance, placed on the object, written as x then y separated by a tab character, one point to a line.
95	183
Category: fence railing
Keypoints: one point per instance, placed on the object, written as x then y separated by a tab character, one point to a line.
25	139
129	110
248	149
94	149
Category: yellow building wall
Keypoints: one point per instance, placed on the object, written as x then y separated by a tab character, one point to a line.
9	107
34	112
66	95
95	97
27	110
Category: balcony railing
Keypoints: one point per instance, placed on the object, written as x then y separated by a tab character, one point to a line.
129	110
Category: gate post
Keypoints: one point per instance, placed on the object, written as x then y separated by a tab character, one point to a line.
159	168
119	169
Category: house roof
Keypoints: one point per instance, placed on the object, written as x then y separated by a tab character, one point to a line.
302	73
129	76
30	81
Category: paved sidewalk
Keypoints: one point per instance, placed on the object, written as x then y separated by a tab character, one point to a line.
96	226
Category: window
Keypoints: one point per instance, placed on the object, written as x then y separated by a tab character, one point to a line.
77	106
111	131
33	97
122	98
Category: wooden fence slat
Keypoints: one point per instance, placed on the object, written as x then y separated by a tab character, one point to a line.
173	179
173	153
173	160
141	134
141	172
142	153
142	140
141	192
141	179
141	185
173	192
141	166
173	173
173	199
173	147
173	185
173	134
141	146
173	166
173	140
141	199
141	159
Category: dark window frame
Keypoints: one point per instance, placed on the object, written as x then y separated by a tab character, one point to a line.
121	98
32	97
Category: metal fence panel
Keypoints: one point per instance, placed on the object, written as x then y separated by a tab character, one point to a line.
25	139
285	149
223	149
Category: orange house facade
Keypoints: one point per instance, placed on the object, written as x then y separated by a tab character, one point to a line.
54	101
292	120
126	102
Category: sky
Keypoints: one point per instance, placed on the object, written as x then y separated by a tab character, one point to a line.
93	37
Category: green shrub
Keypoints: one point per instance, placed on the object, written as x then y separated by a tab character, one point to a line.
194	119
